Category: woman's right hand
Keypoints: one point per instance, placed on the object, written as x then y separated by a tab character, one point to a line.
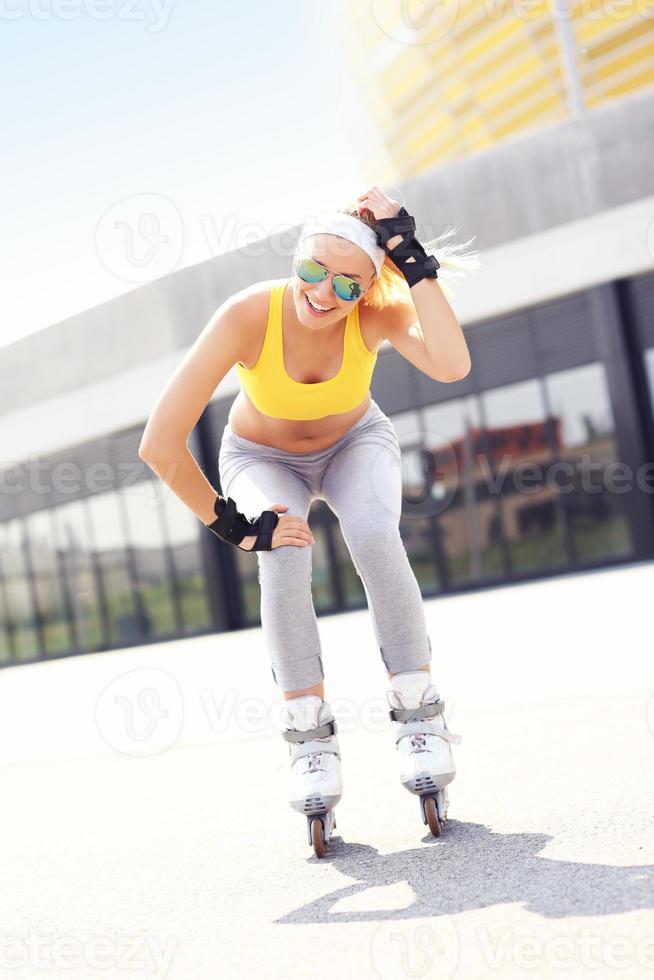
290	530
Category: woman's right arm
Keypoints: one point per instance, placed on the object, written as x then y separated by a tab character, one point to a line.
164	443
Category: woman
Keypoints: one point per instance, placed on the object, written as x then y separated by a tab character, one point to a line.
304	427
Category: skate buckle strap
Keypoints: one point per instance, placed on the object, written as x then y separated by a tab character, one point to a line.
329	728
425	728
414	714
313	746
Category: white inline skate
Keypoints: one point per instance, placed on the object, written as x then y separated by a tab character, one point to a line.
423	744
315	781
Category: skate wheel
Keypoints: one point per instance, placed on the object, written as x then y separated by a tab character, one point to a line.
431	812
318	837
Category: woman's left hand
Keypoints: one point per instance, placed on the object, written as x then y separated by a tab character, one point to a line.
378	204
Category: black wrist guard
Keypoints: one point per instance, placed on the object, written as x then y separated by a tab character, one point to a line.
424	266
232	526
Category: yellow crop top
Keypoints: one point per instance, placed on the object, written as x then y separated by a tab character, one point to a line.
275	394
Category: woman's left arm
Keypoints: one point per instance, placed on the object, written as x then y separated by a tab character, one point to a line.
441	332
400	325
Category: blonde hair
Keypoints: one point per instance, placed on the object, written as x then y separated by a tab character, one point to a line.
391	287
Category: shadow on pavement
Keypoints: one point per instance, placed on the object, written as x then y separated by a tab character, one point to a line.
470	867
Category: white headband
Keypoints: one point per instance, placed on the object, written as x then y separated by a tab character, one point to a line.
346	226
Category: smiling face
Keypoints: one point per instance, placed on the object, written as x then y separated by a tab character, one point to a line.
339	256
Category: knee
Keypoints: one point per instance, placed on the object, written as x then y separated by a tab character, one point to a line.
285	565
375	542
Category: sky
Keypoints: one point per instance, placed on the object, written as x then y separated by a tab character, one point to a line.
143	136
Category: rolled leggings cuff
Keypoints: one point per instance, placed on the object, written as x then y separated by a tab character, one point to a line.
399	659
304	673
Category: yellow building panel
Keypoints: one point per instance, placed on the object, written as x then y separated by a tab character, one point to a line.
409	84
616	39
454	89
632	84
492	73
435	136
446	147
548	51
628	61
426	137
484	142
549	107
495	34
512	78
587	32
404	62
593	20
449	149
513	100
432	103
469	128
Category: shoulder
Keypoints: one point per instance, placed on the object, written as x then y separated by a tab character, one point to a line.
253	300
399	315
249	307
249	316
384	324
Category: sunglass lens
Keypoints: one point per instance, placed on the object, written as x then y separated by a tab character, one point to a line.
346	289
310	271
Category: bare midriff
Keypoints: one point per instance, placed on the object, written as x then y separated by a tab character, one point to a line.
311	435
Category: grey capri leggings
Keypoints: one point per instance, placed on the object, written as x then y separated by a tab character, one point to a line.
360	479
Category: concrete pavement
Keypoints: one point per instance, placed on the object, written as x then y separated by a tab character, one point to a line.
146	834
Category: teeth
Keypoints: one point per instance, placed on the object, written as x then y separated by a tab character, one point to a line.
320	309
